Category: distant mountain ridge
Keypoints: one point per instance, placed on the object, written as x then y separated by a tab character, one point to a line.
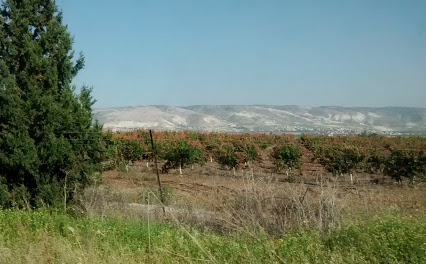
266	118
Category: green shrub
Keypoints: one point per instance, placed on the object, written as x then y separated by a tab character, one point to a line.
128	151
180	154
341	160
196	135
375	163
421	165
405	164
227	156
249	152
287	156
390	239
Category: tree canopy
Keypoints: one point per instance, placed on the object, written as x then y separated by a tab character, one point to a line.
49	146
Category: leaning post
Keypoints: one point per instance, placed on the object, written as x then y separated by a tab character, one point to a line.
158	174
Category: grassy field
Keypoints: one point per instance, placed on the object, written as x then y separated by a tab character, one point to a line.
217	215
52	237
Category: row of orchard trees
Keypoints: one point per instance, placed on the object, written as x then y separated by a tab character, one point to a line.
394	156
180	150
177	154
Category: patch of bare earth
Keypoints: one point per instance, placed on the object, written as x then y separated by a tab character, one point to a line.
210	188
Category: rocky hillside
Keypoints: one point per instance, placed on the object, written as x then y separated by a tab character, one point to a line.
265	118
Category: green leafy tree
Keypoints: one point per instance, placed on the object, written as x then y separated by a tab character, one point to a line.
286	156
49	146
127	151
421	165
405	164
227	156
180	154
342	160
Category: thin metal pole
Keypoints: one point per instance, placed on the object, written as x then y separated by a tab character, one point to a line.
158	174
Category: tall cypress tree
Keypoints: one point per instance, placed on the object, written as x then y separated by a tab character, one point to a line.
49	146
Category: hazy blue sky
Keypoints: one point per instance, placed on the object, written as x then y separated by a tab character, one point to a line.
311	53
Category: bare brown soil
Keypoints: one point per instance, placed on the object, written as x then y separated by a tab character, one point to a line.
209	187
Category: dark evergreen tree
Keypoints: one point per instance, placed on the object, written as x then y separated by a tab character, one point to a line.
49	146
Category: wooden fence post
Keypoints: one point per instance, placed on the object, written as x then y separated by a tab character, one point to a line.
158	174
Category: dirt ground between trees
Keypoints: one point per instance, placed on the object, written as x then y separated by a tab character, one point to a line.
209	188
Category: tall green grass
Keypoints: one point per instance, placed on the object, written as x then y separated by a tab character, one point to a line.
44	236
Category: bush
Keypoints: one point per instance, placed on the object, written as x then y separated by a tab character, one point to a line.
340	161
180	154
226	156
196	135
390	239
375	163
127	151
405	164
250	152
286	156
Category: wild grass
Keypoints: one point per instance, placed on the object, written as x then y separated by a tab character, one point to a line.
46	236
265	207
256	220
